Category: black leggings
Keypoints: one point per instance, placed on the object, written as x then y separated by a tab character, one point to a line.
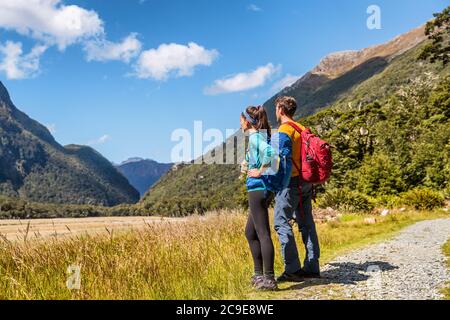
257	232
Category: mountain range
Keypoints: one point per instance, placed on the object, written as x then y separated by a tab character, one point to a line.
33	166
143	173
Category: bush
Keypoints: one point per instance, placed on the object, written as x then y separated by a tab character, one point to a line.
241	197
422	199
345	199
447	192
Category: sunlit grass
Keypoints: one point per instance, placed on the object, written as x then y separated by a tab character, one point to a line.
201	258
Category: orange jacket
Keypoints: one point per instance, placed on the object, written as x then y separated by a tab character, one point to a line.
296	145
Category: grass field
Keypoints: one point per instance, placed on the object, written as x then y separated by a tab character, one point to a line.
41	229
196	258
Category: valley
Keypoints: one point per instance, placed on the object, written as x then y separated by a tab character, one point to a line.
86	84
342	97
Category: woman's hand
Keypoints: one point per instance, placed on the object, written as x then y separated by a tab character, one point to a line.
254	173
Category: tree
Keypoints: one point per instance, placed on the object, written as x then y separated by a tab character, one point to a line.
438	31
380	175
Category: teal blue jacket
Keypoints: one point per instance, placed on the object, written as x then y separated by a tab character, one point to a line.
260	153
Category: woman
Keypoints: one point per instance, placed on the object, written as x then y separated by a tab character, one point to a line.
259	155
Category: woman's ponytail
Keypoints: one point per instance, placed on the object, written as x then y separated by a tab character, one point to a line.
261	119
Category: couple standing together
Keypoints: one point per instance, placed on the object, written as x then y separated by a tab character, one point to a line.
292	198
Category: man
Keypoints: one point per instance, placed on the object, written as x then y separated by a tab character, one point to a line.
288	206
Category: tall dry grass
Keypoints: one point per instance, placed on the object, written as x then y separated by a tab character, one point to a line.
200	258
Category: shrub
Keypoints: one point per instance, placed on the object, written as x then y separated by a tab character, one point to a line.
422	199
447	192
241	197
387	201
345	199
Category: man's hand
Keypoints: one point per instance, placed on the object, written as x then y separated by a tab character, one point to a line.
244	167
254	173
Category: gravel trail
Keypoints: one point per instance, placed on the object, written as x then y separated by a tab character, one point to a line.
410	266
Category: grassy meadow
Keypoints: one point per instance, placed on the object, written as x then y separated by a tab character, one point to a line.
202	257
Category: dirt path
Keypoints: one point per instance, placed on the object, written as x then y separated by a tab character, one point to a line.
410	266
18	230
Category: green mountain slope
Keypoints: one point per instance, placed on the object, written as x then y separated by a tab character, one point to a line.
34	166
193	188
361	92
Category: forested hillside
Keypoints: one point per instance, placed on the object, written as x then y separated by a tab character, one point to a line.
33	166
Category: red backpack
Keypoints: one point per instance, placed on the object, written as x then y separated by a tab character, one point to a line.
316	159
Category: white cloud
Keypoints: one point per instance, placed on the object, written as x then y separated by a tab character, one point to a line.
243	81
53	23
254	7
173	59
286	81
104	138
17	65
104	50
50	21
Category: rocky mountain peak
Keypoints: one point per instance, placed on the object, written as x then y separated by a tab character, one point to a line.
338	63
4	95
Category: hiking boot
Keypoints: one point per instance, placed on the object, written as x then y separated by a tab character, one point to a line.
268	283
309	275
256	280
291	277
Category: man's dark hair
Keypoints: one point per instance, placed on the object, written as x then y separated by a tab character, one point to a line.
287	104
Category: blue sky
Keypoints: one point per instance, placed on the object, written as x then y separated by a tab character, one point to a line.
121	75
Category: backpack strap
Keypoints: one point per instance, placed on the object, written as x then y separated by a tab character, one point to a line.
299	169
297	127
299	130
